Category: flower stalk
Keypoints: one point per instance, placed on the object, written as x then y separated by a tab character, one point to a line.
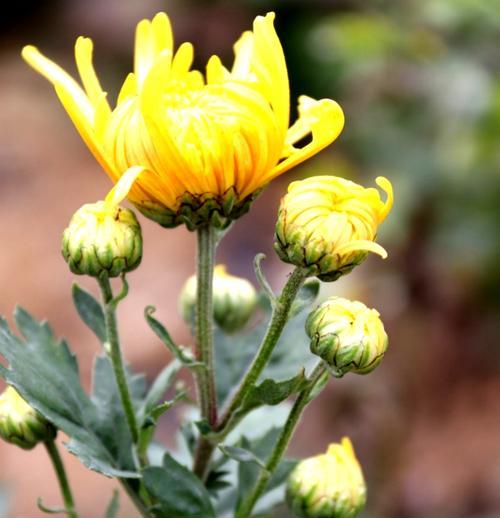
245	509
115	354
62	479
204	334
279	318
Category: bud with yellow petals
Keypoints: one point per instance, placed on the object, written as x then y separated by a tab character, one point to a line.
234	300
21	424
330	485
103	237
347	335
329	224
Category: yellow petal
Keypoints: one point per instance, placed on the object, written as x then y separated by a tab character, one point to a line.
128	89
58	77
85	130
361	245
270	67
121	189
83	58
386	186
323	118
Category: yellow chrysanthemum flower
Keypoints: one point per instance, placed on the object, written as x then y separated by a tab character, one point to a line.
208	144
330	485
329	224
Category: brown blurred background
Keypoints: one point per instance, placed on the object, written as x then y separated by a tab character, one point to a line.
419	81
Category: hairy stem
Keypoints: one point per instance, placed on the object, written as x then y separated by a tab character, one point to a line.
57	462
245	509
205	342
116	357
278	320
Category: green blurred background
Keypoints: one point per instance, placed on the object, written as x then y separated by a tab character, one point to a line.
419	81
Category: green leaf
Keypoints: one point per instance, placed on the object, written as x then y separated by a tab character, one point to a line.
160	385
241	455
90	311
179	493
183	355
45	372
271	392
248	473
114	505
233	354
306	296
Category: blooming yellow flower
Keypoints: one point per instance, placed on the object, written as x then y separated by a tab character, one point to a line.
207	144
347	335
330	485
329	224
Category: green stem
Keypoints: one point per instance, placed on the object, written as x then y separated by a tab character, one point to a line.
116	357
61	478
205	342
279	318
139	504
281	446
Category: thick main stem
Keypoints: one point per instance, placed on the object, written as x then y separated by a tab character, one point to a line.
116	357
204	323
279	318
204	335
281	446
57	462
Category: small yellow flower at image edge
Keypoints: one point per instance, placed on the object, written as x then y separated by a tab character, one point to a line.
207	144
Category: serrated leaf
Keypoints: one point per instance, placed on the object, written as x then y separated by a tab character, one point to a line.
114	505
241	455
90	311
186	496
45	372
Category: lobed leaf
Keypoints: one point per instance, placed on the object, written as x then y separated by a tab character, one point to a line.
186	496
45	373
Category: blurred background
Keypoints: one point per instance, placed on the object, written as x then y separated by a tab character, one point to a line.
419	81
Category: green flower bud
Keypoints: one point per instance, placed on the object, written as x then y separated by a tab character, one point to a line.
21	424
330	485
234	300
347	335
103	237
328	224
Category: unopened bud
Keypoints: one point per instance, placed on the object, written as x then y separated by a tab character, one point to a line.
102	237
328	224
330	485
234	300
21	424
347	335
